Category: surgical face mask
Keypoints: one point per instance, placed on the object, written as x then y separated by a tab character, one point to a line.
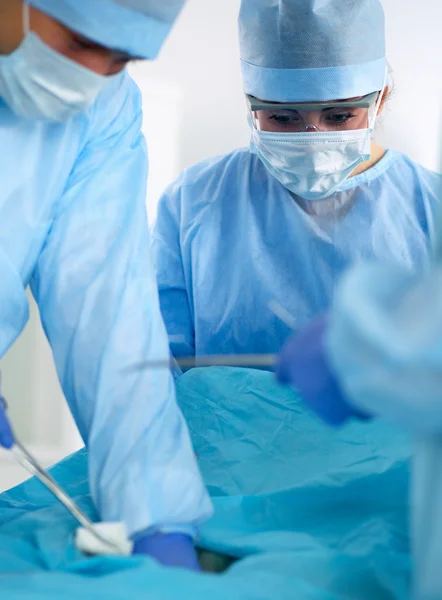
313	165
39	83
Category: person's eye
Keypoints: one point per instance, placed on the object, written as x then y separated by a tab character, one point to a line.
340	118
284	119
82	44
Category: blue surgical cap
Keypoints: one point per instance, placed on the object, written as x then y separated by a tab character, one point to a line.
138	27
312	50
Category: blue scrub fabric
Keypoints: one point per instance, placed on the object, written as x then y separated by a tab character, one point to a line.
74	227
385	339
311	513
137	27
229	239
385	343
311	50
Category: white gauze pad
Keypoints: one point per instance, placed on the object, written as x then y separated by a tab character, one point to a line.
116	533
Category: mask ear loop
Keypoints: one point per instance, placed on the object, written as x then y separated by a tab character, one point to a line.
378	102
26	18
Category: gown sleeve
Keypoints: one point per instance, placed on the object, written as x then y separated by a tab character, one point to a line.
385	343
95	287
171	277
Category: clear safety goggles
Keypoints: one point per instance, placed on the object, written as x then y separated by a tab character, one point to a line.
313	116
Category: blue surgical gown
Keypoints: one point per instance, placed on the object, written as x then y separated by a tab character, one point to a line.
73	225
385	344
229	239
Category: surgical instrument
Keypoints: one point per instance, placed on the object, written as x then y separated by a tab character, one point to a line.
209	360
27	461
223	360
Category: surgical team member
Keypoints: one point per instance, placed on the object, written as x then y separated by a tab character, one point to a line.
379	353
313	194
73	225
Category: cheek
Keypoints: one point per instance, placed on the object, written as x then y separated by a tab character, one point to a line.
260	120
362	121
117	68
267	124
273	126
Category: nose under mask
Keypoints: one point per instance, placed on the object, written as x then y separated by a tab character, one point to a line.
313	164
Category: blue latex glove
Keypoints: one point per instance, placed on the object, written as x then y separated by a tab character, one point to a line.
170	549
303	364
6	436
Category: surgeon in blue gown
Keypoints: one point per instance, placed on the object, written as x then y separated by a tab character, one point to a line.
282	220
378	353
73	168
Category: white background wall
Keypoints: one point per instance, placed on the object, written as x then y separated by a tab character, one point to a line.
194	108
413	120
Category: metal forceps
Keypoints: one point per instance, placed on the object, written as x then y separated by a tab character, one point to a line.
34	468
26	460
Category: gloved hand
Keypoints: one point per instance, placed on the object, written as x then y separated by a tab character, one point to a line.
303	364
170	549
6	435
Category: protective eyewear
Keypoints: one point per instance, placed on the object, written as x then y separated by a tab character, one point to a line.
313	116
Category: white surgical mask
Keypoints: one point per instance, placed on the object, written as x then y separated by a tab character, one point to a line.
39	83
313	165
